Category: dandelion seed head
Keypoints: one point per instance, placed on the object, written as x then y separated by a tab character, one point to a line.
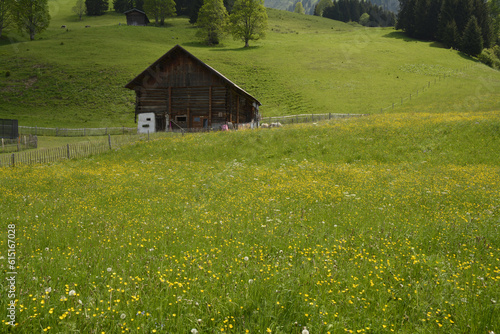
72	292
245	258
123	316
305	331
109	270
194	331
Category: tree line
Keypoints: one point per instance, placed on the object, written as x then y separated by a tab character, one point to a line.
465	25
361	11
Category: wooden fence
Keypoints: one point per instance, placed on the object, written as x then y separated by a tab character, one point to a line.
70	151
80	132
85	149
19	144
305	118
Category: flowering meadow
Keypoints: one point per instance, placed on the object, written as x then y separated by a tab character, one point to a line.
380	224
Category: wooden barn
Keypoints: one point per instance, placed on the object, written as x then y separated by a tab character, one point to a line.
136	17
184	92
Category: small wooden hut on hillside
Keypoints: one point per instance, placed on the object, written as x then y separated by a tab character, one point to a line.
184	92
136	17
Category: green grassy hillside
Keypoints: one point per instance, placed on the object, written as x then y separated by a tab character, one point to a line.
74	77
368	225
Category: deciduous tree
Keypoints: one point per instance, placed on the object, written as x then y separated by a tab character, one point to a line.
32	16
299	8
320	7
5	14
248	20
80	8
160	10
212	21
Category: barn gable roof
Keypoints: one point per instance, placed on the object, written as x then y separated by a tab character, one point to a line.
136	11
177	51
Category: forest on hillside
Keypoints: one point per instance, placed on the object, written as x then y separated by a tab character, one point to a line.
470	26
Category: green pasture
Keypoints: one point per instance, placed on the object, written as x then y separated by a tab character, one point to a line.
74	76
386	223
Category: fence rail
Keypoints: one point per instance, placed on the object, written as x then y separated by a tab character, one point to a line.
19	144
81	132
70	151
305	118
125	136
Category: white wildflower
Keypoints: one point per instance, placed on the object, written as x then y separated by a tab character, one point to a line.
72	292
194	331
48	290
123	316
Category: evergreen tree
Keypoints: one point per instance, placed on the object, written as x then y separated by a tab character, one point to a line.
96	7
121	6
482	14
32	16
449	35
194	10
248	20
183	7
472	40
212	21
494	6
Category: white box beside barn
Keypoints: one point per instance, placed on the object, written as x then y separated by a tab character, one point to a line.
146	123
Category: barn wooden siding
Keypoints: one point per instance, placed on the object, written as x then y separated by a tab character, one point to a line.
184	92
136	17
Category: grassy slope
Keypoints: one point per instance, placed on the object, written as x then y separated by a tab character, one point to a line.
305	65
363	225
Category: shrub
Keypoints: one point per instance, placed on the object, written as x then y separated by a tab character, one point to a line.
490	58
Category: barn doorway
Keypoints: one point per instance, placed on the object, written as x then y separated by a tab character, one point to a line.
199	121
160	122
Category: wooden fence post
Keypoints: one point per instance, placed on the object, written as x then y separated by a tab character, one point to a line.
13	159
109	140
68	150
3	147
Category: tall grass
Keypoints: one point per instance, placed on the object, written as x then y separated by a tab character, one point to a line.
366	225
